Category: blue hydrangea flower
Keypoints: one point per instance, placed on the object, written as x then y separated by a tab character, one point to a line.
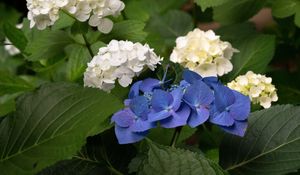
199	97
230	110
131	124
167	107
190	77
149	84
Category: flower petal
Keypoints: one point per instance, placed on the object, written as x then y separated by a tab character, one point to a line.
240	110
161	100
149	84
139	105
198	94
223	119
177	95
126	136
190	76
156	116
135	89
142	125
178	118
123	118
224	97
239	128
198	117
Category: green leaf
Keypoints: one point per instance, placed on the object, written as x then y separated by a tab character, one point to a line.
7	15
234	12
100	153
171	161
79	28
49	44
173	24
51	125
297	16
16	36
165	139
10	84
128	30
204	4
284	8
78	56
255	54
63	21
270	146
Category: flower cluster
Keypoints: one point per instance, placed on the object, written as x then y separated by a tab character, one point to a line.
120	60
9	47
204	53
194	101
258	87
43	13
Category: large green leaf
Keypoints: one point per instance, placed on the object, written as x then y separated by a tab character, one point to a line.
47	45
52	124
255	54
237	11
78	58
171	161
100	155
270	146
10	84
132	30
284	8
16	36
204	4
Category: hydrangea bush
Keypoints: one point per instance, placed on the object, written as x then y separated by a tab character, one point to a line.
177	87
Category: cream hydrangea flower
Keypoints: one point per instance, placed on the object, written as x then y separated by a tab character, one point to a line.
44	13
258	87
204	53
9	47
119	61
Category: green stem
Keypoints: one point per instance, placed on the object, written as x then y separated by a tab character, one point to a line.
87	44
114	171
175	136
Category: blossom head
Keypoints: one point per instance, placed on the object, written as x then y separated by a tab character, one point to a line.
230	110
204	53
258	87
119	61
44	13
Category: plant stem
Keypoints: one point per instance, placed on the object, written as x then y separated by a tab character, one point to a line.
114	171
87	44
175	136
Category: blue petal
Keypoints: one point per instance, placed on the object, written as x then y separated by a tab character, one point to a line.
139	105
127	102
178	118
198	117
239	128
223	119
123	118
125	136
211	81
156	116
198	94
240	110
224	97
135	89
190	76
183	84
142	125
149	84
161	100
177	95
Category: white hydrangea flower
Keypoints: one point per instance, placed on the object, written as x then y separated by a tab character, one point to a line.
9	47
119	61
258	87
44	13
204	53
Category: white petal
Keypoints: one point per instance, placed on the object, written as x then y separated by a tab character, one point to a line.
105	25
